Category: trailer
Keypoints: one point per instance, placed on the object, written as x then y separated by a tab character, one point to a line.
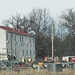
68	58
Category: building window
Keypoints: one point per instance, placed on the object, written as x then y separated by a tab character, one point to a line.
7	50
15	37
6	36
33	52
11	34
30	52
22	52
30	40
33	41
26	52
11	41
22	38
15	51
26	37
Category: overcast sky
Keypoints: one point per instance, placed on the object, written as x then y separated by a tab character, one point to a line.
11	7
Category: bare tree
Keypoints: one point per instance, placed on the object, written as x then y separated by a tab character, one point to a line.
41	23
68	21
13	21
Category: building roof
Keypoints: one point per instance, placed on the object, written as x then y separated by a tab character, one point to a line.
8	29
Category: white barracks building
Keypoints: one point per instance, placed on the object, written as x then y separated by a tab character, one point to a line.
17	43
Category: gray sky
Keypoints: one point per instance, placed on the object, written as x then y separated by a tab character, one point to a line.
11	7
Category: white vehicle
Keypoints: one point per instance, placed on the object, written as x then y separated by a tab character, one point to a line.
67	58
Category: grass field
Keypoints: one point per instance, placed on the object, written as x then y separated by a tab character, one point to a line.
31	71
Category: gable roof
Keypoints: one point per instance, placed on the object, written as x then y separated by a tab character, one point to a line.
8	29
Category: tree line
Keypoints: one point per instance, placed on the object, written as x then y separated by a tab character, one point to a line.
40	21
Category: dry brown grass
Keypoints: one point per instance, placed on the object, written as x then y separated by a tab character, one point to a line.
36	72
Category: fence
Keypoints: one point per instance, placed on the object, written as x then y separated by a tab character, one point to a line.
58	67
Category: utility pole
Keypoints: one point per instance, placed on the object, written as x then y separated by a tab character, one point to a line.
52	40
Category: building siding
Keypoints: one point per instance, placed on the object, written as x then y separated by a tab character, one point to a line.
17	44
3	42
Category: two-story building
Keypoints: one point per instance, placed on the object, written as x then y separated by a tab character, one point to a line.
17	43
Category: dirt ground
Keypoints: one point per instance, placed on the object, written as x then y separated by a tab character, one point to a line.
31	71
